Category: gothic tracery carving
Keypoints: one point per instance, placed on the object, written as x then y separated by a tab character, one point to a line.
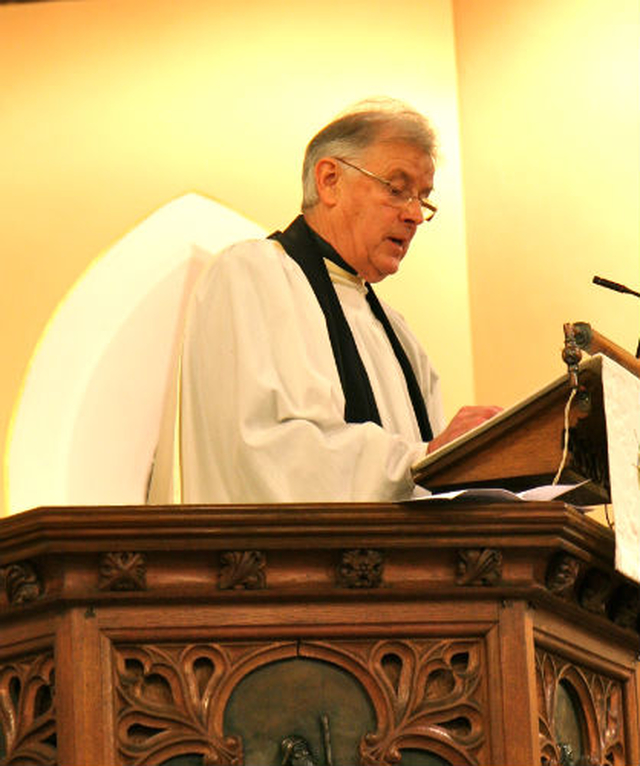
433	700
600	702
166	699
428	695
27	711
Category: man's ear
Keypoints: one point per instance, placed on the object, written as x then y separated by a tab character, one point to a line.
327	173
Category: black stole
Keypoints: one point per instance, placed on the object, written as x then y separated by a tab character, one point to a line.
308	250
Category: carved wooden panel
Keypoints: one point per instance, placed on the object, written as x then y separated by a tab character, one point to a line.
27	712
426	695
597	730
171	698
396	612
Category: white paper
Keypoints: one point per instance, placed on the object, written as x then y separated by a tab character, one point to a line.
498	495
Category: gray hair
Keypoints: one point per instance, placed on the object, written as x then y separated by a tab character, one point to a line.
355	129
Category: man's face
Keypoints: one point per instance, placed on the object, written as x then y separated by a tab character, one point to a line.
375	230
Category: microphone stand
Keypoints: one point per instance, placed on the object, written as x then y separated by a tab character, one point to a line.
620	289
581	336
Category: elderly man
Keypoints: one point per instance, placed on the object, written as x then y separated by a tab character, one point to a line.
297	384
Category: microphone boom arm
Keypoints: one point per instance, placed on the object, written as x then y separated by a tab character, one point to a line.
591	341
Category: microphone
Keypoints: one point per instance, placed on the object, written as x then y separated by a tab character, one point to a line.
614	286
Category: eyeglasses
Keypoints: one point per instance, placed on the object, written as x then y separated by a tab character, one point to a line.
398	196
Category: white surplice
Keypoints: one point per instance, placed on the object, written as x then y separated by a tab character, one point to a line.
260	408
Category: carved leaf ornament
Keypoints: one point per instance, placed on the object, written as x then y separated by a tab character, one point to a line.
243	570
479	567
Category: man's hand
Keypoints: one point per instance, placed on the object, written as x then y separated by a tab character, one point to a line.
464	420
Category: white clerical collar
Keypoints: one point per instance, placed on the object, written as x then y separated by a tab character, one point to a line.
341	276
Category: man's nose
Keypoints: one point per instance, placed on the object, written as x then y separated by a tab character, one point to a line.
412	211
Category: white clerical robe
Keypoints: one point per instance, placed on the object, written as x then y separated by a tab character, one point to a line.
259	407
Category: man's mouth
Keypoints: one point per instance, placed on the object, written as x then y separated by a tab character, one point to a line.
399	242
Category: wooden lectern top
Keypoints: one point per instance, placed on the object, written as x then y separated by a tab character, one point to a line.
522	447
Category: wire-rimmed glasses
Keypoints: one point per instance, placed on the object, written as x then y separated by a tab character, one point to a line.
398	195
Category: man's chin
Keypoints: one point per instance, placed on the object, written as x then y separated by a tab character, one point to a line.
381	267
389	266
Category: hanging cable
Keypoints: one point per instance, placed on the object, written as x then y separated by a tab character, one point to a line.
565	447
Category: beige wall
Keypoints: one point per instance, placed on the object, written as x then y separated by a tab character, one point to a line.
550	115
110	109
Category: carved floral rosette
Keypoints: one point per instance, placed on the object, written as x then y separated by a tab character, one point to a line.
123	571
427	694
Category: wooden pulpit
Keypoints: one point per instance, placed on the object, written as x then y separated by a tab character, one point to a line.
423	633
